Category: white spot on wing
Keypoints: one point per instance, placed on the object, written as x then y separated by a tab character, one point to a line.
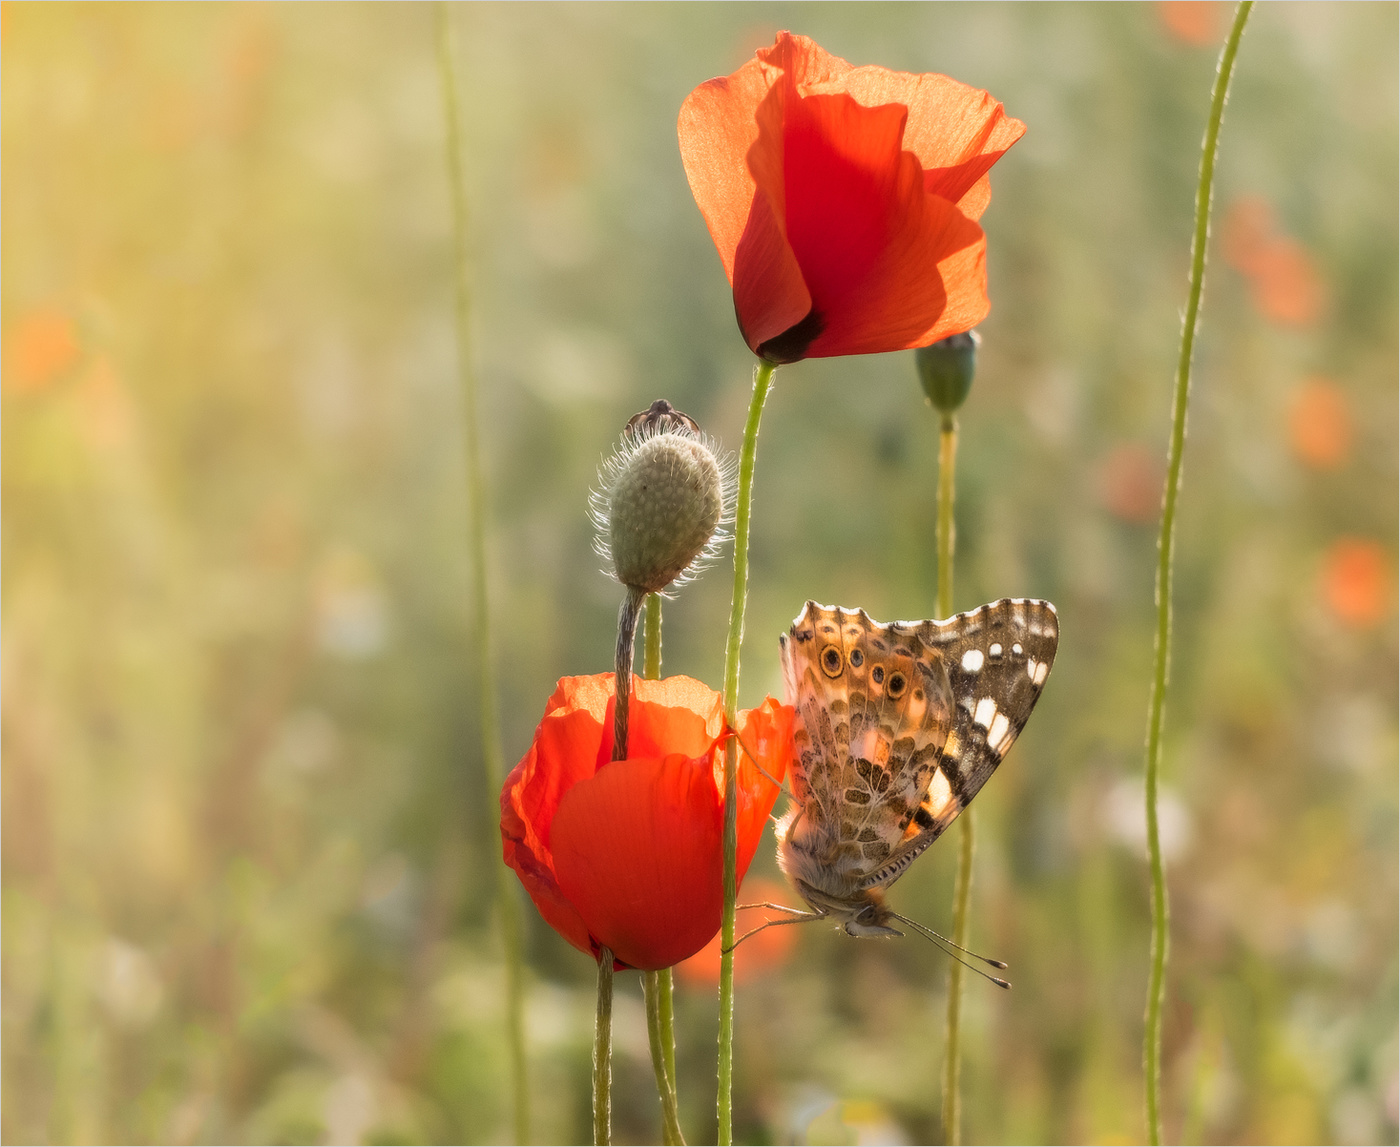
995	650
1016	649
1042	668
940	794
998	732
986	710
972	661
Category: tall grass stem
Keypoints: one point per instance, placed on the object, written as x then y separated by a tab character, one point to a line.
493	758
762	383
1156	988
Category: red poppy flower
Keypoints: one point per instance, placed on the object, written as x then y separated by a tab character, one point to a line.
627	853
844	200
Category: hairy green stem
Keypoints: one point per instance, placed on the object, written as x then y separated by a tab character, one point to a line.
493	758
668	1031
661	1025
962	883
602	1051
651	638
657	1003
1156	989
762	383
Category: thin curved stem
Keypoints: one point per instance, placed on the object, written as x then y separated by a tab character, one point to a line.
1156	989
602	1052
962	882
493	758
622	669
762	383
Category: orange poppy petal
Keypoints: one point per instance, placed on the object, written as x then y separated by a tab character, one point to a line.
716	128
673	715
589	694
538	877
868	237
956	132
637	852
566	751
767	733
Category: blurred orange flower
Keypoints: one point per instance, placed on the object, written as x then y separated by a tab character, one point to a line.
40	347
1356	582
1195	22
844	201
757	955
626	854
1130	483
1320	424
1285	283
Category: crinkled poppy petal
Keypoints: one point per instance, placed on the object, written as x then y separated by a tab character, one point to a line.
589	694
673	715
868	237
955	131
806	64
637	852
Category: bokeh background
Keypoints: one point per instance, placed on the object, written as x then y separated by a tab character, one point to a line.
248	851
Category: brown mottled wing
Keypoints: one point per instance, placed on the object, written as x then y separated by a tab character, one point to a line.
998	658
875	706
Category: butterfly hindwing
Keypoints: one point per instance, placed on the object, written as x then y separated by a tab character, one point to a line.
998	658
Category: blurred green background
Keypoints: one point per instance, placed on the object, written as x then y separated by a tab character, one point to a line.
248	853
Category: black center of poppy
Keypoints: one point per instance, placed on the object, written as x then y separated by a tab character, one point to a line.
792	344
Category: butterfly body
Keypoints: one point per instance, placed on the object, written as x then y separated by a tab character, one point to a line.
901	724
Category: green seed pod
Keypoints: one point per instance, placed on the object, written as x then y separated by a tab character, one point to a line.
663	500
946	369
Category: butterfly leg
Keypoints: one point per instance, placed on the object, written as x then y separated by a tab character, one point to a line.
798	917
772	779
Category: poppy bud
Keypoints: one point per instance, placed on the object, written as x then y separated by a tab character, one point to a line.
946	369
664	496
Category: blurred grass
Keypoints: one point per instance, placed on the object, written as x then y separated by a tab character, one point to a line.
247	868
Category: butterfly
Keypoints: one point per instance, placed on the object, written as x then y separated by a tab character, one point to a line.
901	725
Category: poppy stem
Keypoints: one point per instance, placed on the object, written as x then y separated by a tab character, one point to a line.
651	638
665	1084
962	882
661	1024
622	665
762	383
1156	989
507	902
602	1051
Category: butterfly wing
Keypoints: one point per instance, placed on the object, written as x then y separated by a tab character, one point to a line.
997	658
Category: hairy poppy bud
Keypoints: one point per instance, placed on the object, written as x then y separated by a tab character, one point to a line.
664	497
946	369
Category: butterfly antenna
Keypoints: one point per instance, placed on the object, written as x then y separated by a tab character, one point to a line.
939	941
